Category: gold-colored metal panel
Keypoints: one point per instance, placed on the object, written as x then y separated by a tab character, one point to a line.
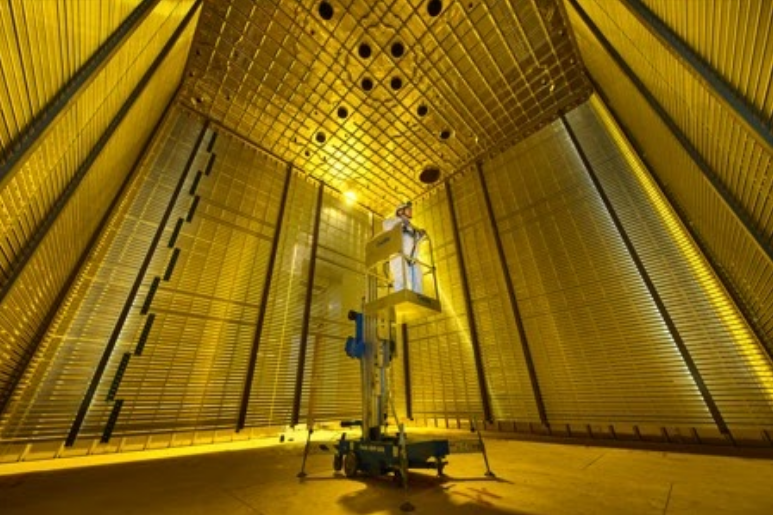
331	381
730	359
273	386
444	89
193	365
600	348
64	362
507	375
443	374
741	163
43	45
32	187
734	38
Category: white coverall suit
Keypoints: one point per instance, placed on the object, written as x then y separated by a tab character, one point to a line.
399	265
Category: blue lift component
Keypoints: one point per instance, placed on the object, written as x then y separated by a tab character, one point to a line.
376	453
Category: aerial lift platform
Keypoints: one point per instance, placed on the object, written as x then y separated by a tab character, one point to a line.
376	452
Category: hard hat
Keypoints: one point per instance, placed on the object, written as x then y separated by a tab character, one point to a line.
403	206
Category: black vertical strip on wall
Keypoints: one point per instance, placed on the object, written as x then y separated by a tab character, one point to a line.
738	210
210	164
100	370
242	422
172	263
484	395
36	130
48	319
195	184
534	381
31	246
112	419
176	232
151	295
145	334
672	329
407	371
699	68
211	144
118	376
296	414
192	210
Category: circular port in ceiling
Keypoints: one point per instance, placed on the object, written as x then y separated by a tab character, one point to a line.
321	137
434	7
422	110
445	134
396	83
397	49
307	153
367	84
364	50
430	175
343	112
325	10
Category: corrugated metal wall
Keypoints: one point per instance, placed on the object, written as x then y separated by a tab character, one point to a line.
56	191
708	142
214	297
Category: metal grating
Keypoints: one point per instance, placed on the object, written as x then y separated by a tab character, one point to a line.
734	38
732	362
600	348
475	77
445	382
43	46
192	368
273	386
735	176
331	380
52	169
742	261
506	373
50	393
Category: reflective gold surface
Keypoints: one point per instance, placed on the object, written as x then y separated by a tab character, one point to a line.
291	80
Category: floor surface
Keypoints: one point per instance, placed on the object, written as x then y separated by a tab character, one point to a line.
531	478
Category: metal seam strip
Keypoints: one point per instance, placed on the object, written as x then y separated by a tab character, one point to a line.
654	294
701	70
514	304
484	395
727	282
37	129
242	422
407	371
30	247
49	318
307	309
735	207
100	370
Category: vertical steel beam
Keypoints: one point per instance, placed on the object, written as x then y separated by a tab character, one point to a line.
484	395
247	389
296	414
654	294
533	380
100	370
407	371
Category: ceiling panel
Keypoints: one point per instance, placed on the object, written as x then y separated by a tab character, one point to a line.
367	95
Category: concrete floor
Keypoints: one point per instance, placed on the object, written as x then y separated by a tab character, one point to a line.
532	478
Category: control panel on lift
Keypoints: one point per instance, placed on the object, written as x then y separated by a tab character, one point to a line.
384	257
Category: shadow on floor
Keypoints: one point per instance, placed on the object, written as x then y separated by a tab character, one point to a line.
425	494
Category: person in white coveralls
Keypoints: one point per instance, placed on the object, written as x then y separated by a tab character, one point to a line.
412	237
